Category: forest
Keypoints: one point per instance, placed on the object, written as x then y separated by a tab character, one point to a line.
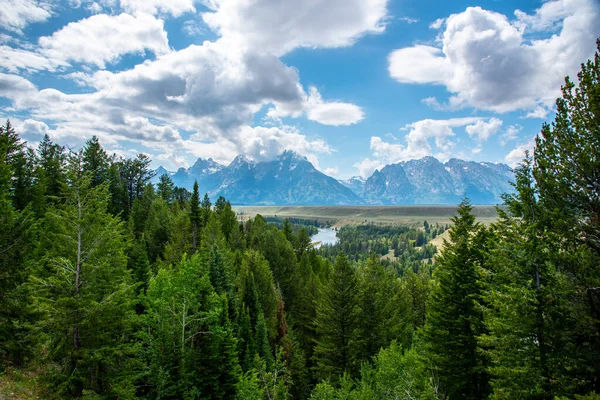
113	288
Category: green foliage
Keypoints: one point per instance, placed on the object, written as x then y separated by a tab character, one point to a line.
195	215
566	162
336	323
190	347
16	245
96	162
409	245
383	310
165	188
453	318
84	293
527	314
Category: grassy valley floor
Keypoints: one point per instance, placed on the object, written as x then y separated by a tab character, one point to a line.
352	215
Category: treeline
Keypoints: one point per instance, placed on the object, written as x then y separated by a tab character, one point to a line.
311	227
409	245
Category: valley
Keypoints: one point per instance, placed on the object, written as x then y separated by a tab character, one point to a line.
355	215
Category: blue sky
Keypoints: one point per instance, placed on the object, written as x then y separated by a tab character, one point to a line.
351	84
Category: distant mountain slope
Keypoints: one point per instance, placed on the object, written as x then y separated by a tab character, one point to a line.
428	181
356	184
292	180
289	180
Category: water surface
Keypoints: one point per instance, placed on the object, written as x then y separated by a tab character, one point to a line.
325	236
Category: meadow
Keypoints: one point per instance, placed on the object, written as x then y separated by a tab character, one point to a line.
351	215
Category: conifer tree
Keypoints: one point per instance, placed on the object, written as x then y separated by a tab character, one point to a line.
566	161
49	175
302	243
336	323
527	315
165	188
19	164
383	310
205	210
262	341
228	220
417	285
287	230
217	271
16	248
220	205
195	215
453	319
565	169
139	265
83	292
96	161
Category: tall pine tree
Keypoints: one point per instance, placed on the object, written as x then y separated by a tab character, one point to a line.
83	292
453	319
336	323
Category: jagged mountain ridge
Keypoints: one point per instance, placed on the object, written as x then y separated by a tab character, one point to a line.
428	181
292	180
289	180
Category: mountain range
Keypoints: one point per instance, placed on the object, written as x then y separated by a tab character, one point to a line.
293	180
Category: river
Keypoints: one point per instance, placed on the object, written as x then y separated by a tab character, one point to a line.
325	236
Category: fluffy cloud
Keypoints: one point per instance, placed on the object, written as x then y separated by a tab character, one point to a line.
538	112
265	143
418	140
31	127
172	7
366	167
437	24
180	92
278	27
15	88
198	101
333	112
102	39
13	60
210	81
17	14
419	64
483	130
489	62
428	137
511	134
515	156
331	171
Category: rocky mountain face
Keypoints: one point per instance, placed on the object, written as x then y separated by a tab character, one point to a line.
356	184
292	180
428	181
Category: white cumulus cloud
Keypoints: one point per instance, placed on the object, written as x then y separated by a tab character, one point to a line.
331	112
17	14
516	155
488	62
14	59
279	26
102	39
367	166
419	140
483	130
172	7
